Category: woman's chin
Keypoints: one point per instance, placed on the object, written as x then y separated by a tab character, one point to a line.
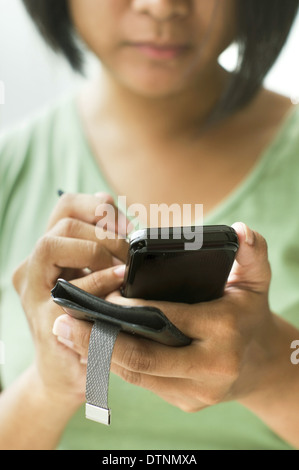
155	87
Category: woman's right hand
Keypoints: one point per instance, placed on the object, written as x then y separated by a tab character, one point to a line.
70	249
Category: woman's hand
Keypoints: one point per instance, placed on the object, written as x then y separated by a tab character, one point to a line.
70	249
233	338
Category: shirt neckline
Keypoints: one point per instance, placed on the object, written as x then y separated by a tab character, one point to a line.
256	173
235	195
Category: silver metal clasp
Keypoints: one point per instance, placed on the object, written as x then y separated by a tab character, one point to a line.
99	415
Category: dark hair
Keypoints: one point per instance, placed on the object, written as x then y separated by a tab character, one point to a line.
263	28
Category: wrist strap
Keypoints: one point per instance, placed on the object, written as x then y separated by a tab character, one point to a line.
101	344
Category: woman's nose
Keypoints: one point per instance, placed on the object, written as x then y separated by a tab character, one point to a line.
163	10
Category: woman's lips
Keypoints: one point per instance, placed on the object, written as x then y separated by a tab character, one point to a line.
160	52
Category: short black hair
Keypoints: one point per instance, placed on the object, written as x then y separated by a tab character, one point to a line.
263	27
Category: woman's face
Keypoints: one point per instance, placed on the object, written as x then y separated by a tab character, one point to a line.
156	47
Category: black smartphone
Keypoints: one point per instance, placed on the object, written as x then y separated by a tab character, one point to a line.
180	264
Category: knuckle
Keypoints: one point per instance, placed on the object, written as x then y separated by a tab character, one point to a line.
97	252
66	227
96	281
230	325
136	359
194	368
228	368
213	398
130	377
231	367
84	337
210	395
200	397
187	408
104	197
18	277
21	283
44	247
65	201
102	234
192	401
105	213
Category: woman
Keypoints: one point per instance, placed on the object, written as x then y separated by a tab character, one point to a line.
164	123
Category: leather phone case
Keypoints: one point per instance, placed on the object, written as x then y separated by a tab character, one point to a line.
144	321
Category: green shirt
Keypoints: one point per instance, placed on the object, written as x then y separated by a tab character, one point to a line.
49	153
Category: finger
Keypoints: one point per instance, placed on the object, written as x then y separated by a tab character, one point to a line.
77	206
251	269
101	283
134	354
106	280
96	210
73	333
74	228
142	356
58	253
181	393
112	219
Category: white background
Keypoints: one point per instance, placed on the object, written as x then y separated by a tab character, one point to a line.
34	77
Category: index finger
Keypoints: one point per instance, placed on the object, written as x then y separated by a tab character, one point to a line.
90	209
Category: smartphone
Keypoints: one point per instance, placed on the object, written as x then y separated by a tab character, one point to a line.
163	264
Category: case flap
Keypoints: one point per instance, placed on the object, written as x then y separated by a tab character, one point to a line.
148	322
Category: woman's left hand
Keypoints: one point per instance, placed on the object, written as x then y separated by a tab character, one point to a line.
232	338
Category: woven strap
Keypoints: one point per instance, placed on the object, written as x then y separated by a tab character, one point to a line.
101	344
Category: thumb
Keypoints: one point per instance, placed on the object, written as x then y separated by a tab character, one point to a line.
251	270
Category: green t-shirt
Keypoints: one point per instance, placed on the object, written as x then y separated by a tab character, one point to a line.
49	153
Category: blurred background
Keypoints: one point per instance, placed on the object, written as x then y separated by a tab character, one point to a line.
33	77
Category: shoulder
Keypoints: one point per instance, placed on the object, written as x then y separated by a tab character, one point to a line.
273	120
33	141
285	142
278	114
32	156
22	139
281	156
266	114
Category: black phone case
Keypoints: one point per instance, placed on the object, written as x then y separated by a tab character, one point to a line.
162	269
148	322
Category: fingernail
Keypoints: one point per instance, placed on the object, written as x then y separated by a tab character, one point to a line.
61	330
105	198
120	271
249	236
